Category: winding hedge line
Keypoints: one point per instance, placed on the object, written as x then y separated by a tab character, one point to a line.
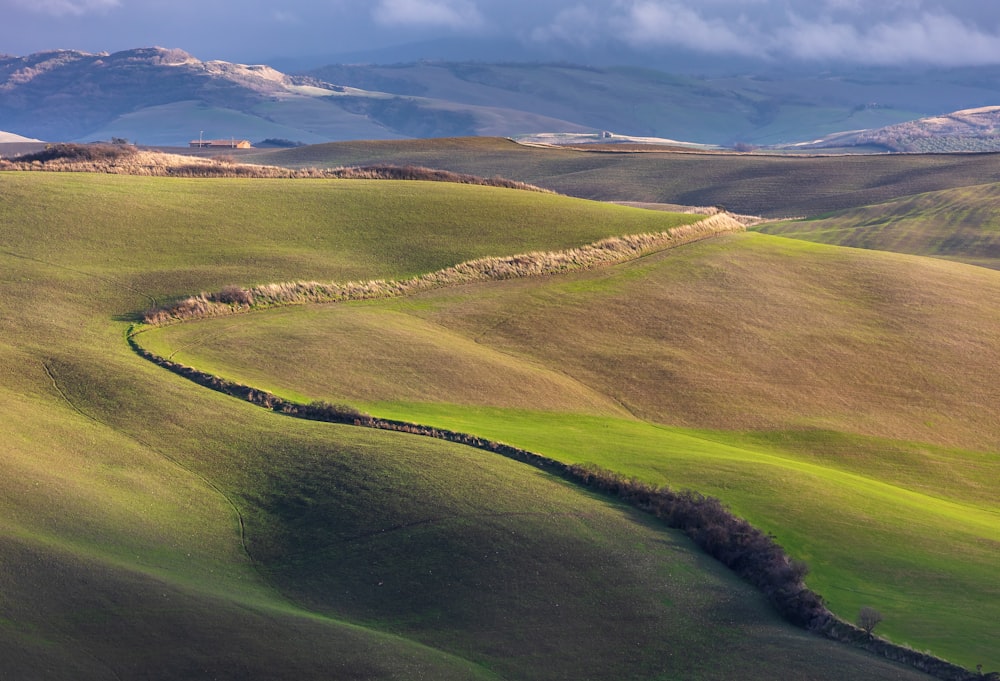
743	548
613	250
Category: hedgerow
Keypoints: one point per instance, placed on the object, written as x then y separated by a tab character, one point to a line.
233	300
749	552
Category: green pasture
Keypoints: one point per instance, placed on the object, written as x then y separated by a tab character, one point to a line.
843	400
150	527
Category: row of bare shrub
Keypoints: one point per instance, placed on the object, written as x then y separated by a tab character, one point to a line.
746	550
420	173
749	552
80	153
235	299
743	548
761	561
731	540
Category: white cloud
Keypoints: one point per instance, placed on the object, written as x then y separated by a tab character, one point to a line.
652	23
68	7
455	14
284	17
930	37
893	32
577	25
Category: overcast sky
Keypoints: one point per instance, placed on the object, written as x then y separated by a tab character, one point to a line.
956	32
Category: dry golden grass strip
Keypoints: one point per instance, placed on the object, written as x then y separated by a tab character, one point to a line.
613	250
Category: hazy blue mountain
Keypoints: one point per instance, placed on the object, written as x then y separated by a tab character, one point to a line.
167	97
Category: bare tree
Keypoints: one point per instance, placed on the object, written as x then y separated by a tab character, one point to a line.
868	619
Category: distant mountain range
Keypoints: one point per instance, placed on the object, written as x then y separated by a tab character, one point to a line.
166	97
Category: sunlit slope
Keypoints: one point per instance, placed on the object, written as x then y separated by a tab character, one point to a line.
954	224
843	399
737	332
250	231
152	528
770	185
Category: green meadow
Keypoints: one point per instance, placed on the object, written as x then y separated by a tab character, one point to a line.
152	528
843	400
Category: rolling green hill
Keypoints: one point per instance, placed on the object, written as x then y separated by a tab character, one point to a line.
954	224
152	528
841	399
756	184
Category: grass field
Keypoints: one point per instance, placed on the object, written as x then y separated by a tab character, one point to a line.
843	400
772	186
152	528
954	224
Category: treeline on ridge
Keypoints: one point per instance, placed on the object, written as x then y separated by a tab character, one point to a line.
126	159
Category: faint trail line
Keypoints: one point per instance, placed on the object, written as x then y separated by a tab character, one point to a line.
65	397
110	280
176	462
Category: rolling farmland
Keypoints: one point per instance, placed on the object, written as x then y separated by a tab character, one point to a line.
153	527
840	399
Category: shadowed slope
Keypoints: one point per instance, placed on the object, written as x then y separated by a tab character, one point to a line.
822	350
954	224
754	184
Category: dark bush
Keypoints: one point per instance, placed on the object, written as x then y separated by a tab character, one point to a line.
278	143
80	152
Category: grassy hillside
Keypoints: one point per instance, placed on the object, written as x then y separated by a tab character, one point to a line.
818	390
774	186
152	528
954	224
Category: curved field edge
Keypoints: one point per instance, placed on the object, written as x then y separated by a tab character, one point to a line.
867	509
613	250
749	552
90	431
262	397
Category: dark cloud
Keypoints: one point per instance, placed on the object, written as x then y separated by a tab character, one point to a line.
861	31
890	32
